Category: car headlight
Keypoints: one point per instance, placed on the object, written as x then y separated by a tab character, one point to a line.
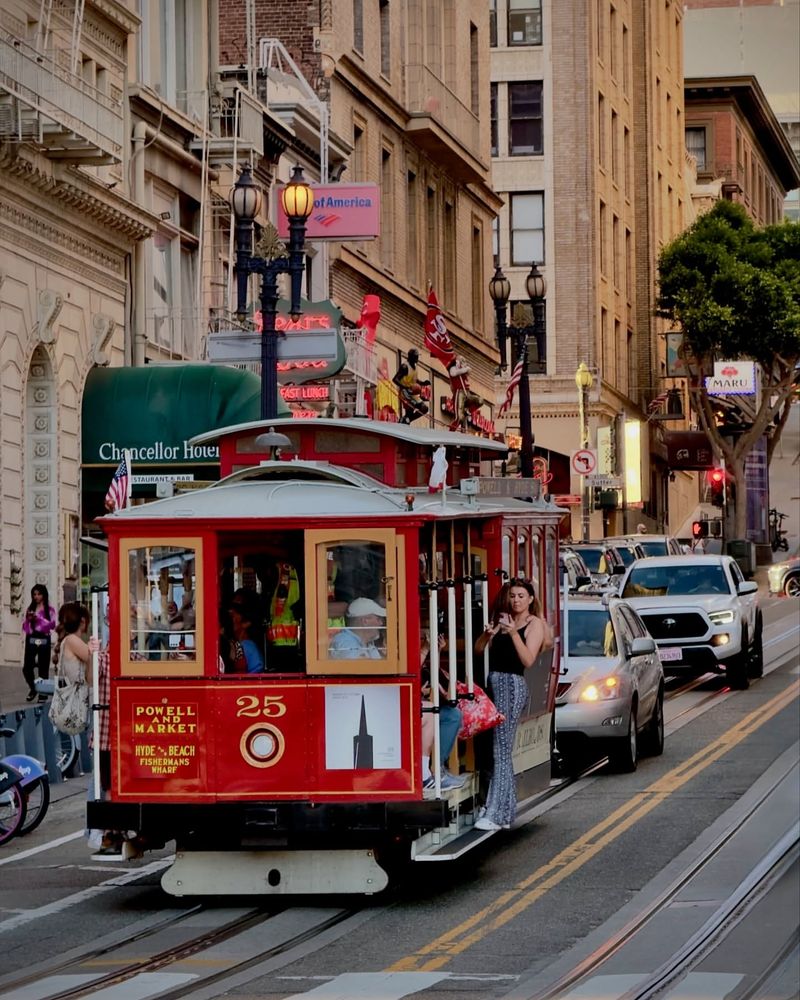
722	617
601	690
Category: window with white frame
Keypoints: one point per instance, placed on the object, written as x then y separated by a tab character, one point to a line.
524	22
696	145
171	317
527	228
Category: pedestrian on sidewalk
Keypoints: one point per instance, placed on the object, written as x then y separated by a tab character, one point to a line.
40	620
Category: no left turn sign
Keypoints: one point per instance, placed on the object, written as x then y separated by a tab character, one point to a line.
584	461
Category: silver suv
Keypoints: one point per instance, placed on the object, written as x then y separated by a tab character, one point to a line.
702	613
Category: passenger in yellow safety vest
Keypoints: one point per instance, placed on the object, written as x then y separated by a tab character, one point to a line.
283	630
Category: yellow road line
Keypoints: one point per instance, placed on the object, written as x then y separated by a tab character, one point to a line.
513	902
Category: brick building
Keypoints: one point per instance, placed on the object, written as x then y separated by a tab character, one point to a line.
403	84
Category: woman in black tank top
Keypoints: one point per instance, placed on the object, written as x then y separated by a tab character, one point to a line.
515	641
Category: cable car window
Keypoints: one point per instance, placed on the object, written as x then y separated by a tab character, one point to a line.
354	628
162	601
356	601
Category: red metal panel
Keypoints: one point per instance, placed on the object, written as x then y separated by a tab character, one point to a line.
328	740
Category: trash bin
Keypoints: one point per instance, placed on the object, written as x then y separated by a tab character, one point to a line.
744	552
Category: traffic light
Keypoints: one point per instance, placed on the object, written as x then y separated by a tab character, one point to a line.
700	529
716	482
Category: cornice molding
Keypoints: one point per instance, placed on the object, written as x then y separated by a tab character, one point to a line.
45	240
110	211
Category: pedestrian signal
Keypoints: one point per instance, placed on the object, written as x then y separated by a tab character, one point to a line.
700	529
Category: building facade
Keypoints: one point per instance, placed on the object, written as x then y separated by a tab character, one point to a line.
588	155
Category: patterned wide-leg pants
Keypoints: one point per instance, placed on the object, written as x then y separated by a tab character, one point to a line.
510	694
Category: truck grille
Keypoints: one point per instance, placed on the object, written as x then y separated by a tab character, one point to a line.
666	625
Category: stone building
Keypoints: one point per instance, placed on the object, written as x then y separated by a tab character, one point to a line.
69	231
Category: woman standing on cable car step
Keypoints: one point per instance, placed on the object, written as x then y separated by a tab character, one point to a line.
40	620
515	639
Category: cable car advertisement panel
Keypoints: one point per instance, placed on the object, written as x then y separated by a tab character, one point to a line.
293	739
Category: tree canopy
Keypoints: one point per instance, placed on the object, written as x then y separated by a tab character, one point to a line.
733	289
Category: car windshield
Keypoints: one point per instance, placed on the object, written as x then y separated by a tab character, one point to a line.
654	548
591	632
680	579
592	559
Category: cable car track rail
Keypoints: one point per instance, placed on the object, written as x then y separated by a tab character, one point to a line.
188	951
747	893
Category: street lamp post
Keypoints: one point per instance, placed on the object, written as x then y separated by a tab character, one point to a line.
500	289
270	260
584	381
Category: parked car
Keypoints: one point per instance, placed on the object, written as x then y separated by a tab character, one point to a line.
612	695
577	571
784	577
702	613
603	561
652	545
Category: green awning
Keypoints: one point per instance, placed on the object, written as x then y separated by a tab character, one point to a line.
155	409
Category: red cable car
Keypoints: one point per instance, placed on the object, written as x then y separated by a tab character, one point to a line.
306	776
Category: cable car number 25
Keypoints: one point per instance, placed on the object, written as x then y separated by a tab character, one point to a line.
250	707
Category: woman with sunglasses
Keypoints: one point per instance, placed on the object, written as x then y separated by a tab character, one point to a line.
515	636
40	620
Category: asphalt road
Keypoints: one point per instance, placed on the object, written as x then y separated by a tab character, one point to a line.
481	928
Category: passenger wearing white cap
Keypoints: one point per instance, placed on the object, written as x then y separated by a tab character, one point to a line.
366	623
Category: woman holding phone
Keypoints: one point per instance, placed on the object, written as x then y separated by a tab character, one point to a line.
40	620
515	636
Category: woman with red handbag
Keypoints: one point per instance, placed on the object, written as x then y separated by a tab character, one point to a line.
515	639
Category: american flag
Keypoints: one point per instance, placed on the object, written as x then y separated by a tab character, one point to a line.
513	382
437	339
119	492
656	403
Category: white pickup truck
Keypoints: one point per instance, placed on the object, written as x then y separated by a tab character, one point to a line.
702	613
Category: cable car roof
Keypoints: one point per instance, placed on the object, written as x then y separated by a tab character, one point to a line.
304	498
426	436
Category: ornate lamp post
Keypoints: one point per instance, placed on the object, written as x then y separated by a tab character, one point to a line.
500	289
584	380
270	259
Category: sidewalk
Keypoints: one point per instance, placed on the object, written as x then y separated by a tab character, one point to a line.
12	688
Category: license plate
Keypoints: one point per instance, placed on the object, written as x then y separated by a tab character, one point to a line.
669	654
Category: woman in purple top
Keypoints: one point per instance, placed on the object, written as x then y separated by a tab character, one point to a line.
40	620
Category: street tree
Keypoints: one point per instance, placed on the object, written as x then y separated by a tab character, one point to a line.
733	290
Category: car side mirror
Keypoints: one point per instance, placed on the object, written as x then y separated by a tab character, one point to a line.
643	645
748	587
618	569
582	581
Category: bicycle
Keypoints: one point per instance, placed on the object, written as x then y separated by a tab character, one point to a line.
26	779
777	534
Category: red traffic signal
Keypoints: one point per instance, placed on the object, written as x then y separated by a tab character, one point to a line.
700	529
716	482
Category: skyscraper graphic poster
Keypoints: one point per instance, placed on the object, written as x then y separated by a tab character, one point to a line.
362	727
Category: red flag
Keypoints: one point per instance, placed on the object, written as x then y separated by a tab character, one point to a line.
513	382
437	339
370	314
